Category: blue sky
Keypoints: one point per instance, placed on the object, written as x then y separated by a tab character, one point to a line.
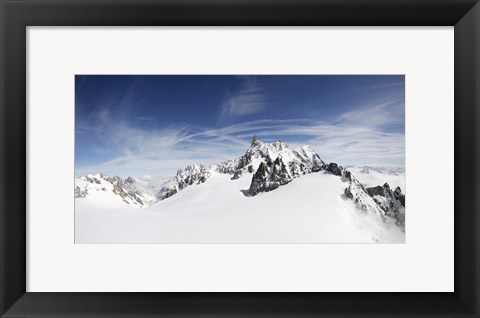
156	124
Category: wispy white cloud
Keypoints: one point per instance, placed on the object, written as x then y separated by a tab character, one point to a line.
377	115
358	136
249	99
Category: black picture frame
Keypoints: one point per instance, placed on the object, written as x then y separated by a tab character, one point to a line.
16	15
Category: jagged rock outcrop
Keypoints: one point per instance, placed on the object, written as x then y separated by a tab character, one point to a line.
356	192
260	180
335	169
391	202
379	199
269	176
299	161
397	194
283	164
296	162
279	173
167	193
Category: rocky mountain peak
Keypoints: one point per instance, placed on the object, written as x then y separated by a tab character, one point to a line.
269	176
335	169
282	163
254	141
391	202
269	165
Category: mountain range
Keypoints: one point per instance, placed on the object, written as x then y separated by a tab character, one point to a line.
268	167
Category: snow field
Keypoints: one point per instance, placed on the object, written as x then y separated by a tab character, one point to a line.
310	209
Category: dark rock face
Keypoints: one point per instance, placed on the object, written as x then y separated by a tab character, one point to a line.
269	176
259	180
348	193
347	175
279	174
398	195
237	174
391	202
297	169
335	169
91	180
301	161
170	192
378	190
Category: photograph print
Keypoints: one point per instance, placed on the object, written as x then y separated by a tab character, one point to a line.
239	159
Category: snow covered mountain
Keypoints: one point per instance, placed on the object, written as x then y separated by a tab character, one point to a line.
240	185
192	174
114	188
275	164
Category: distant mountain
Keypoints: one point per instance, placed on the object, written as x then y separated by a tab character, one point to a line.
378	169
269	166
274	165
371	176
192	174
125	190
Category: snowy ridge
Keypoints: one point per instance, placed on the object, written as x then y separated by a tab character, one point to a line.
289	164
264	167
192	174
357	192
118	189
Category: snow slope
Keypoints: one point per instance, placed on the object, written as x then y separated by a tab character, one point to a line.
310	209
